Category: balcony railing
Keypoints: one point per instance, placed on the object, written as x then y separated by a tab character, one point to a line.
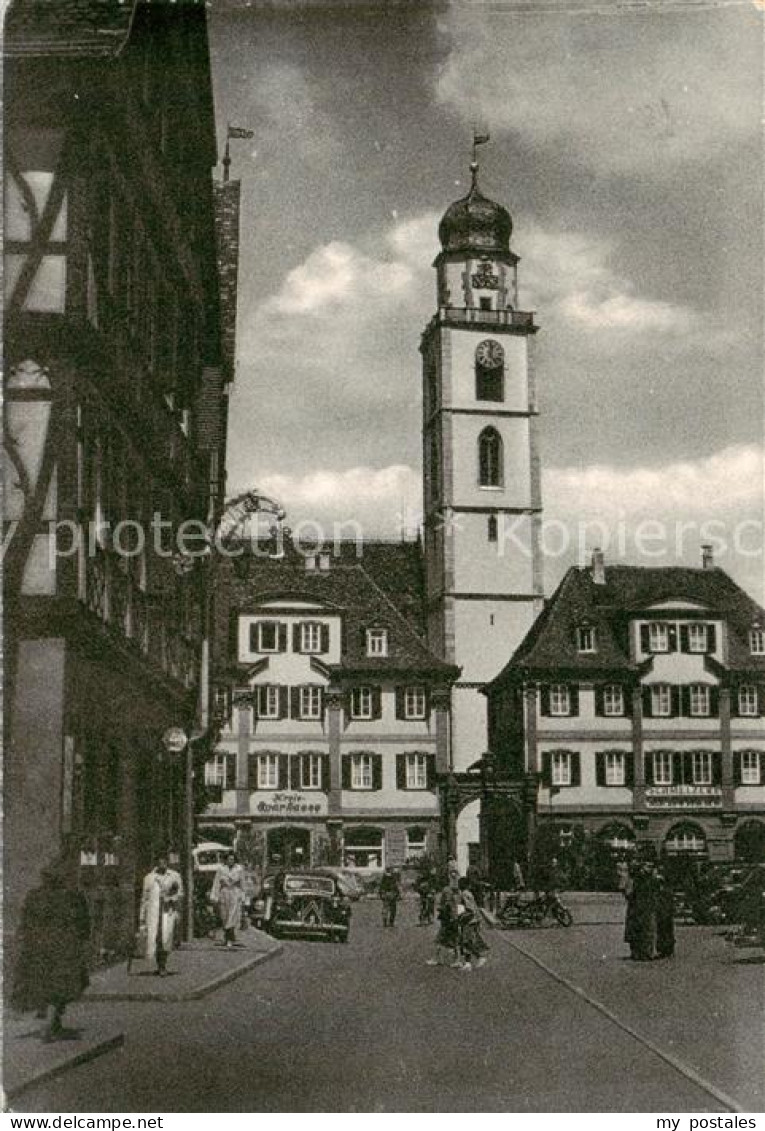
522	319
683	797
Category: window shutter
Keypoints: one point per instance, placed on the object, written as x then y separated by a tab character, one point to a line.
761	698
685	701
284	702
252	771
600	768
629	769
295	638
714	701
685	643
647	702
547	769
325	638
427	703
325	772
677	704
431	771
737	766
284	771
544	700
347	704
648	768
576	767
645	638
716	768
573	697
295	702
711	637
377	771
255	702
600	708
682	768
401	771
672	638
400	692
253	636
322	696
376	702
230	771
345	775
282	637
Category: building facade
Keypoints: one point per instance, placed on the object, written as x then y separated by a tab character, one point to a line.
482	496
115	417
333	713
635	711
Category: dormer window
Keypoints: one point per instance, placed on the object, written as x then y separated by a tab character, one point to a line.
698	638
658	636
267	636
585	638
377	642
757	641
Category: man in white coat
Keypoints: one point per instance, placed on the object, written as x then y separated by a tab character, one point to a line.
162	893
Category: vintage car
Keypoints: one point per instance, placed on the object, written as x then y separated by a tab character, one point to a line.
305	903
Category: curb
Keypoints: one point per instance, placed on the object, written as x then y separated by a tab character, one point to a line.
42	1074
193	994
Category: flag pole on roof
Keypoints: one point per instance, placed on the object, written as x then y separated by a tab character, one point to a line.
233	132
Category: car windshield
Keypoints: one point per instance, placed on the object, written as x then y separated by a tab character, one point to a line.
212	856
298	884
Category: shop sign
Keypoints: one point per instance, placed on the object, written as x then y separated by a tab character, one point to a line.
290	803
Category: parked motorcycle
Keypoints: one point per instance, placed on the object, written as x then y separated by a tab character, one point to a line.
523	911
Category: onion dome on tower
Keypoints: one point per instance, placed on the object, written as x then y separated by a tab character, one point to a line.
476	223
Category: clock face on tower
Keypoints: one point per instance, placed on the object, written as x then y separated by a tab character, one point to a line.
489	354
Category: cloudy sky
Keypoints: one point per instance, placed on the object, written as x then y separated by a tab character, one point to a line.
626	140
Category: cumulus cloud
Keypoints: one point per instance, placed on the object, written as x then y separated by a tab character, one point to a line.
619	90
290	112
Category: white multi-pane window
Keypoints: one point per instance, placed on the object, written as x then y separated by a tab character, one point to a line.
662	767
414	703
416	771
268	701
613	700
699	699
750	767
658	636
361	771
702	767
215	771
560	699
310	637
614	767
697	637
560	767
748	700
661	700
361	703
585	639
310	771
757	641
377	642
310	702
268	771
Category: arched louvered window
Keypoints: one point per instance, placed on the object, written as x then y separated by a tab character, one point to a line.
490	458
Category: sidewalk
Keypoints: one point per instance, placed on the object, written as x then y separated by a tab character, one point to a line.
195	970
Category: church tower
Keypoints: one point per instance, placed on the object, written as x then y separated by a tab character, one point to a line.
482	494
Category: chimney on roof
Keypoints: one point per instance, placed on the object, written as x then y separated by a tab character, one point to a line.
707	556
598	566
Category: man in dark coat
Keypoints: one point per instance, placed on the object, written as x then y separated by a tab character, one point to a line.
390	894
51	969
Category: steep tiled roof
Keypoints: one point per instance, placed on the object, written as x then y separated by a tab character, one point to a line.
350	587
629	590
67	27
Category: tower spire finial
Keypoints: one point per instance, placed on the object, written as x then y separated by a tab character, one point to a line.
478	139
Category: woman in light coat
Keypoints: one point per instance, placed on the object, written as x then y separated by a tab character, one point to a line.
228	893
162	893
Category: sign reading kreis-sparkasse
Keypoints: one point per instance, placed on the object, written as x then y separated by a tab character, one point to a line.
290	803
